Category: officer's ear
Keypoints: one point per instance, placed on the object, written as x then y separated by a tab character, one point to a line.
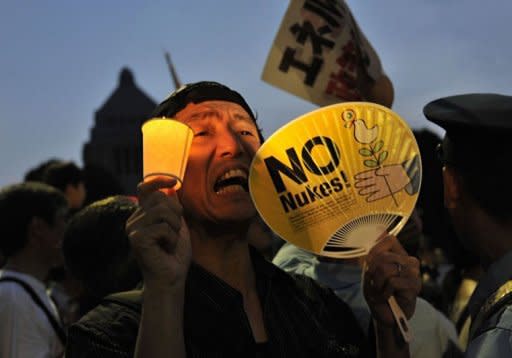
452	187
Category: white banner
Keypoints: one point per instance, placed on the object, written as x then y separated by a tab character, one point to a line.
320	54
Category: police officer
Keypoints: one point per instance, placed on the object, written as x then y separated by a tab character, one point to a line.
477	152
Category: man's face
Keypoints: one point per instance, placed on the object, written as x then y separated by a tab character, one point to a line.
52	235
460	213
75	194
215	186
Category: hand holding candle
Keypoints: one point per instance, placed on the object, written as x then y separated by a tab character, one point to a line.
157	230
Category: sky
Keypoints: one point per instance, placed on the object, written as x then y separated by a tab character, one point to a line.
60	60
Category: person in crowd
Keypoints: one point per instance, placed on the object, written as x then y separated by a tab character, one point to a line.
440	255
33	218
434	335
68	178
206	293
36	173
475	152
100	183
97	252
458	285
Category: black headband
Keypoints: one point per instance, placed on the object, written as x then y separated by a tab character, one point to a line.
196	93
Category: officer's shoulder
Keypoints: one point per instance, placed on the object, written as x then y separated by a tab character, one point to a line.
505	318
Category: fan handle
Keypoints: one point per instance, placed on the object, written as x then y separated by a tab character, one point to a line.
401	320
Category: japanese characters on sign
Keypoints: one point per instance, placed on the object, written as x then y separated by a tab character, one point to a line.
320	54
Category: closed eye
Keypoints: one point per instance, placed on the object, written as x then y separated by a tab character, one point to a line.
244	133
201	134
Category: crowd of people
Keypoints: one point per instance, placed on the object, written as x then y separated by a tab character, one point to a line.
197	272
88	271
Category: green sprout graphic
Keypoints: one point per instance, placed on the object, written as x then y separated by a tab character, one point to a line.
373	151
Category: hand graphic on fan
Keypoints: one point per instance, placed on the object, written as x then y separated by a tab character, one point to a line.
389	179
382	182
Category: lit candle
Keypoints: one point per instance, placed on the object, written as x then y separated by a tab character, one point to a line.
165	147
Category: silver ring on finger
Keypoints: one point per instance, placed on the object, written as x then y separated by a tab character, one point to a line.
399	269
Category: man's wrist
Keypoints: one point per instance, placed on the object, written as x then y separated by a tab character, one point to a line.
153	289
389	339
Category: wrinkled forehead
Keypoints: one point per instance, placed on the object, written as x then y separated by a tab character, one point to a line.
197	111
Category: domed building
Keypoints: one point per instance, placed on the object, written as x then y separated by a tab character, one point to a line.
116	140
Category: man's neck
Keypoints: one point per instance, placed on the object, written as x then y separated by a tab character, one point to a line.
27	265
494	239
227	257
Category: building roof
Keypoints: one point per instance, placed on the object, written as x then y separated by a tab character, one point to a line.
127	100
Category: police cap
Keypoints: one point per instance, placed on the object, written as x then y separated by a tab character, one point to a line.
478	128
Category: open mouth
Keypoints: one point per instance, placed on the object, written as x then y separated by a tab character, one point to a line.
234	180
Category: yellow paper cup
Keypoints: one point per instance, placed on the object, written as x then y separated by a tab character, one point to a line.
165	147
